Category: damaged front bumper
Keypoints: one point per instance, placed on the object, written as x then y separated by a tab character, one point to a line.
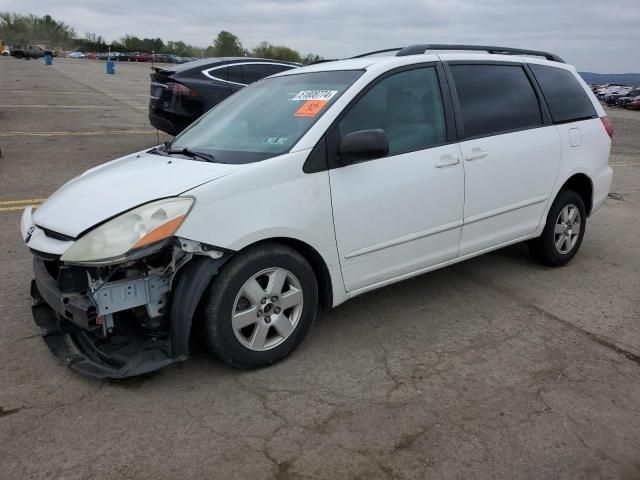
135	324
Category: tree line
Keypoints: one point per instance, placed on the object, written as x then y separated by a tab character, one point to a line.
45	30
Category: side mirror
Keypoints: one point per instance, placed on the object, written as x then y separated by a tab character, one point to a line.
364	145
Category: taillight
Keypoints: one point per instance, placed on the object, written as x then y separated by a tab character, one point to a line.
180	90
608	126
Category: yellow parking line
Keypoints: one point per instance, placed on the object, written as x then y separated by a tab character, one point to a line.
77	134
21	207
14	205
53	94
30	201
65	106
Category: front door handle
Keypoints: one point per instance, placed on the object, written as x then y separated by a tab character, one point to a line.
447	160
476	154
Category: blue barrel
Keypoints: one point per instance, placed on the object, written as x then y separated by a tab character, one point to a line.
48	59
111	67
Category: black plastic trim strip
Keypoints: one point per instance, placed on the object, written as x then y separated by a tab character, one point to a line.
193	280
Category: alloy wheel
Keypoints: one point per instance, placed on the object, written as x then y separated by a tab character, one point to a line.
567	229
267	309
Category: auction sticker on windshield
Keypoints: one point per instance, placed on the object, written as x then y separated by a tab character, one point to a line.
315	95
310	108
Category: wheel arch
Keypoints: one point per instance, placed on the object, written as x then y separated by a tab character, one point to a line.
318	265
583	186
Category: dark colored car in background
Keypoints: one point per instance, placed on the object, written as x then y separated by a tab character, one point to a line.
141	57
182	93
611	98
633	94
122	56
634	104
165	58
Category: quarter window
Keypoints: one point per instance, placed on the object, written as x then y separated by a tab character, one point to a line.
567	99
407	106
495	99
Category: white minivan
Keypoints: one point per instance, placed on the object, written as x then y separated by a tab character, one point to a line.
308	188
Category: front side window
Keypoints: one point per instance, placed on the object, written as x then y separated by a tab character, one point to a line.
567	99
266	118
495	99
407	106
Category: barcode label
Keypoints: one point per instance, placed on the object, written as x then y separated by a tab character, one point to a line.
315	95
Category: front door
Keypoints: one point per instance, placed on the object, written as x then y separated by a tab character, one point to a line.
400	214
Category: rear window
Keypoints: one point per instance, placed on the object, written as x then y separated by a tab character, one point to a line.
495	99
566	98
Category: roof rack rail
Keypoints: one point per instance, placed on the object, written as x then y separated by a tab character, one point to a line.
422	48
378	51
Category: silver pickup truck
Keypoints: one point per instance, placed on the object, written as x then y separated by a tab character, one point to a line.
28	51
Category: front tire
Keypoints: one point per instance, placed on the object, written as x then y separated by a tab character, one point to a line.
260	306
563	232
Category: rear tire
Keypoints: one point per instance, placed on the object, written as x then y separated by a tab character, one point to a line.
260	307
563	232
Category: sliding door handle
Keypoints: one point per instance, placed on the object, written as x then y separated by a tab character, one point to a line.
476	154
447	160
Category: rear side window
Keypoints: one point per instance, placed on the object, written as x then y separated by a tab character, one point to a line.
221	73
407	106
253	72
273	69
235	74
495	99
566	98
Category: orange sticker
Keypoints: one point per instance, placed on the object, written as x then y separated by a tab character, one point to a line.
310	108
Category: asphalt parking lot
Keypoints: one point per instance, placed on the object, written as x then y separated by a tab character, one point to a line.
493	368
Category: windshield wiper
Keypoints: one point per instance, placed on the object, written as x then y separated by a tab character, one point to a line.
192	153
160	149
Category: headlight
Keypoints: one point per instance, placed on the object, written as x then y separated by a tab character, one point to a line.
134	229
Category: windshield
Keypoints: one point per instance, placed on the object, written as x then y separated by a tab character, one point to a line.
266	118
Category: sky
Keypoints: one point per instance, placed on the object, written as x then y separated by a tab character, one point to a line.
598	36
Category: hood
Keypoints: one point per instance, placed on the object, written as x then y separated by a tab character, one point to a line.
117	186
